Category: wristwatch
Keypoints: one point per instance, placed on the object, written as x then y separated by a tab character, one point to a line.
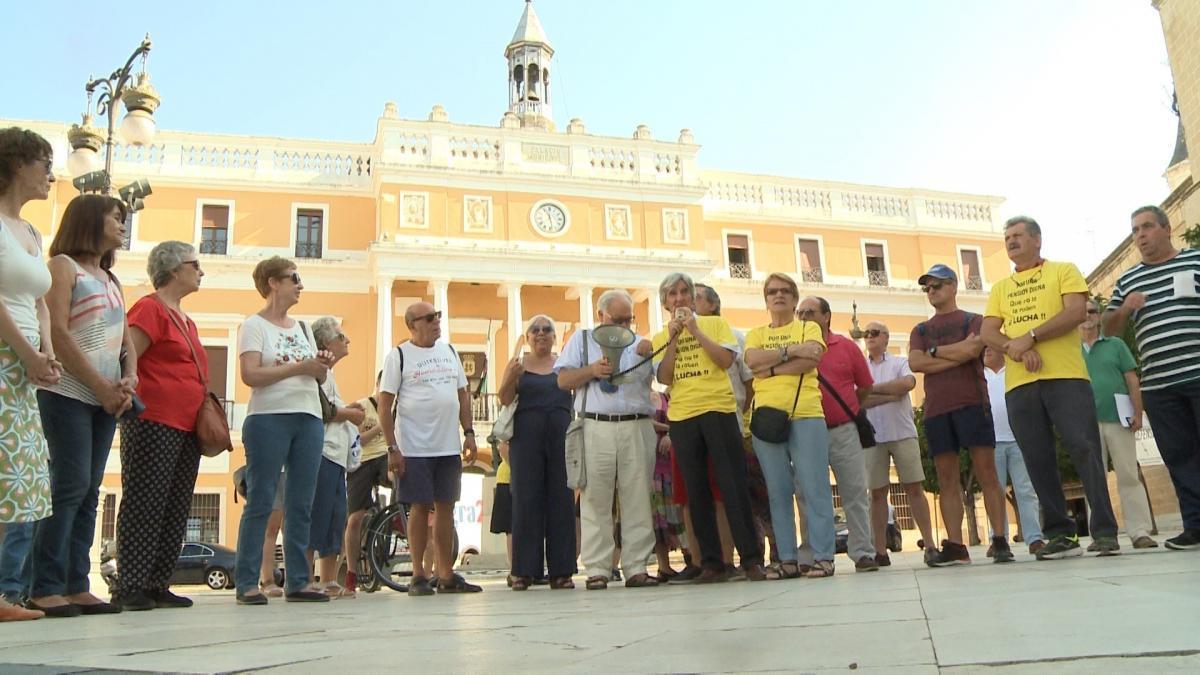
933	350
468	432
393	448
783	355
1032	335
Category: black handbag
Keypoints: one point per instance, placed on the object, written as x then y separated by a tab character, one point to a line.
772	425
866	431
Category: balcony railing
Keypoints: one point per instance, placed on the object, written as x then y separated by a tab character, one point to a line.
877	278
485	407
739	271
813	275
974	283
308	249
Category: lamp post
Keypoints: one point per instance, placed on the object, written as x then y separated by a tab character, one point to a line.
140	100
855	331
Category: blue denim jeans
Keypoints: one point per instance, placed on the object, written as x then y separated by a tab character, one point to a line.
79	436
292	442
800	467
1010	464
17	539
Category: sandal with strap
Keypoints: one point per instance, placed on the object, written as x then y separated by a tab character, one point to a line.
561	583
336	591
821	569
520	583
272	591
790	570
596	583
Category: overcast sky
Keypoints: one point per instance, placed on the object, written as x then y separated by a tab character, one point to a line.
1061	107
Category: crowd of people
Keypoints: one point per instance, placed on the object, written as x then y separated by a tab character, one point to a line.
698	438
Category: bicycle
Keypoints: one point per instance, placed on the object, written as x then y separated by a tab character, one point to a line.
385	547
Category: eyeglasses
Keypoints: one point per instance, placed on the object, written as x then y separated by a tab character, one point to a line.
620	320
341	336
539	330
194	263
874	332
1093	311
806	313
932	286
49	165
431	317
294	276
780	290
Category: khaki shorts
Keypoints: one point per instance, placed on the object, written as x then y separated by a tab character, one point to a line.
907	455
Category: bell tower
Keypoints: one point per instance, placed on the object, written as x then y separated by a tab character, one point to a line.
529	54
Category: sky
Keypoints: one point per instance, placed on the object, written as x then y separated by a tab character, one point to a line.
1060	107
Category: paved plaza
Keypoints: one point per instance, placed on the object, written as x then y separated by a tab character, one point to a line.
1136	612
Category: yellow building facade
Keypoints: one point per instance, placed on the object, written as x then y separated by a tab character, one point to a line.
496	224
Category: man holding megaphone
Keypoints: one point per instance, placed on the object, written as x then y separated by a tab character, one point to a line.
609	369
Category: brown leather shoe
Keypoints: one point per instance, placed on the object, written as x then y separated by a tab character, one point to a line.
711	576
642	580
1036	546
759	573
1144	542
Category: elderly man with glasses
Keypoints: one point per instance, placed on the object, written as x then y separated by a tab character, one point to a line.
425	379
619	446
948	350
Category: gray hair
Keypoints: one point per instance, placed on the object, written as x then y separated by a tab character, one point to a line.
537	318
1031	225
672	279
711	297
324	330
164	259
1159	214
611	294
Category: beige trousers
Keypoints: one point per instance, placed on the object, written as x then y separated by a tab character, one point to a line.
1118	443
619	457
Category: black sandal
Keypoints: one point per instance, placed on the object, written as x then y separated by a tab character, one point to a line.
520	583
790	570
561	583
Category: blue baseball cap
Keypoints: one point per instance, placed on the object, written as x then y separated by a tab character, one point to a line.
938	271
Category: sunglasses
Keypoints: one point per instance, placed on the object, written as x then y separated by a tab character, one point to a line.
194	263
806	313
875	332
932	286
783	290
541	330
432	317
294	276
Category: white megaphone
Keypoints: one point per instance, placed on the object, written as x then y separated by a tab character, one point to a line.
613	340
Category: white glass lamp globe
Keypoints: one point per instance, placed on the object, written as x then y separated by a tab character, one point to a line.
138	127
83	161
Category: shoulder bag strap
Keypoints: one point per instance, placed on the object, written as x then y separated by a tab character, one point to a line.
829	388
588	385
186	338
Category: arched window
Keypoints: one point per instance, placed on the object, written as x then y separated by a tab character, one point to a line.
519	81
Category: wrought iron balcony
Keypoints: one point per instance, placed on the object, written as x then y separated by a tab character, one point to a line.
974	283
877	278
308	249
813	275
739	271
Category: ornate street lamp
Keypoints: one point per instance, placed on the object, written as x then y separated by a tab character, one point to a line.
855	331
140	100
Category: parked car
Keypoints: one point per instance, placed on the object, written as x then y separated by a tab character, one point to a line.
893	538
203	563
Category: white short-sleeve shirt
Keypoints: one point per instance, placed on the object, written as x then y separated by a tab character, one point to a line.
426	398
278	346
892	421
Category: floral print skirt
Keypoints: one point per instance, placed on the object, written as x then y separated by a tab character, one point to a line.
24	458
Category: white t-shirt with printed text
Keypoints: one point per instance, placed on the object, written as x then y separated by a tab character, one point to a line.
426	398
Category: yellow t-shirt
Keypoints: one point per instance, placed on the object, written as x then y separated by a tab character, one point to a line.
377	447
780	391
1026	300
503	474
699	386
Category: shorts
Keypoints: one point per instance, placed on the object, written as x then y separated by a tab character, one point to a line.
328	510
906	452
431	479
371	473
679	493
969	427
501	510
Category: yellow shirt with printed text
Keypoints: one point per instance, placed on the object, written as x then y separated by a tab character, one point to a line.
699	385
1026	300
780	391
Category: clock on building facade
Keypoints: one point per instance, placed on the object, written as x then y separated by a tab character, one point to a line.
549	218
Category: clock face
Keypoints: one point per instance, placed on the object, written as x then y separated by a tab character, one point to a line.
549	218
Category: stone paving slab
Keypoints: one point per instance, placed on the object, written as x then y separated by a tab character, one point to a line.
1132	613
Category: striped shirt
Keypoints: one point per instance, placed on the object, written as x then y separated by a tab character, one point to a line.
1167	329
97	325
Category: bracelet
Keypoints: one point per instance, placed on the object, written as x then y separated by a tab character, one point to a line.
772	371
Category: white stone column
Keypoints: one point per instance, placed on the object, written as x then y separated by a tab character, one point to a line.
385	315
441	303
656	311
516	323
587	314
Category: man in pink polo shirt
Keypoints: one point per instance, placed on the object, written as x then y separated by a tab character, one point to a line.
845	369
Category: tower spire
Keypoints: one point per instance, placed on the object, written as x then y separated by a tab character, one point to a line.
529	54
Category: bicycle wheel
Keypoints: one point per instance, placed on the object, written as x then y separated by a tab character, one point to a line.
387	547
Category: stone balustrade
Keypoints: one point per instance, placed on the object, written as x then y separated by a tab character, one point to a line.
754	195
